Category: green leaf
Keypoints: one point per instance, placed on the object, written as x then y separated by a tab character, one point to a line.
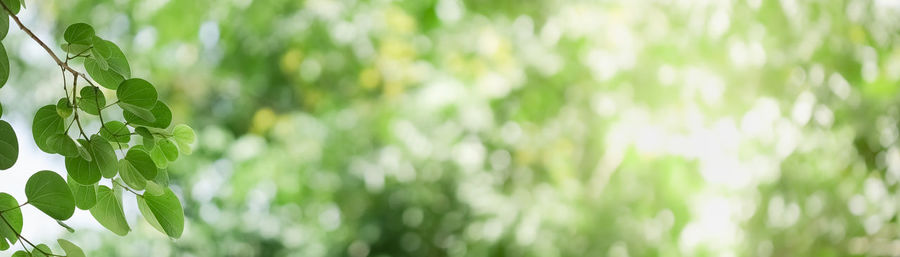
85	195
104	156
46	124
162	178
63	107
159	157
4	26
106	78
163	212
108	211
82	171
83	152
138	93
79	33
116	131
168	148
110	57
48	192
161	117
66	226
149	140
13	5
63	144
21	253
9	146
13	216
92	100
75	49
40	253
141	161
184	136
4	66
130	174
154	188
71	249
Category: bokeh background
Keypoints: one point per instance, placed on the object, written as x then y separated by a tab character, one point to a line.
501	128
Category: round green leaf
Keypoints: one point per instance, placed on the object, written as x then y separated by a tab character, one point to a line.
75	49
63	107
168	149
13	5
46	124
13	216
159	157
141	161
110	57
149	140
79	33
161	116
92	100
163	212
21	253
106	78
48	192
85	195
136	93
4	66
184	136
63	144
82	171
71	249
116	131
108	211
9	146
40	253
104	156
130	174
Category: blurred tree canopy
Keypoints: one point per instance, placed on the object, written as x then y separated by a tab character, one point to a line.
516	128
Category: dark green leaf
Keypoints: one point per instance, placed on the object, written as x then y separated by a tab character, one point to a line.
9	146
13	5
142	162
4	66
149	140
63	144
82	171
104	156
13	216
137	93
48	192
79	33
108	211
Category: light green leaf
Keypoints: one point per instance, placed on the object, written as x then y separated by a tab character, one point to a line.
159	157
106	78
184	136
66	226
168	148
92	100
79	33
131	110
63	144
154	188
9	146
110	57
21	253
130	174
104	156
108	211
116	131
75	49
70	248
48	192
163	212
140	159
85	195
13	216
46	124
40	253
138	93
161	117
63	107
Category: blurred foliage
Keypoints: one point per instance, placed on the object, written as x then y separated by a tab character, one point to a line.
519	128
